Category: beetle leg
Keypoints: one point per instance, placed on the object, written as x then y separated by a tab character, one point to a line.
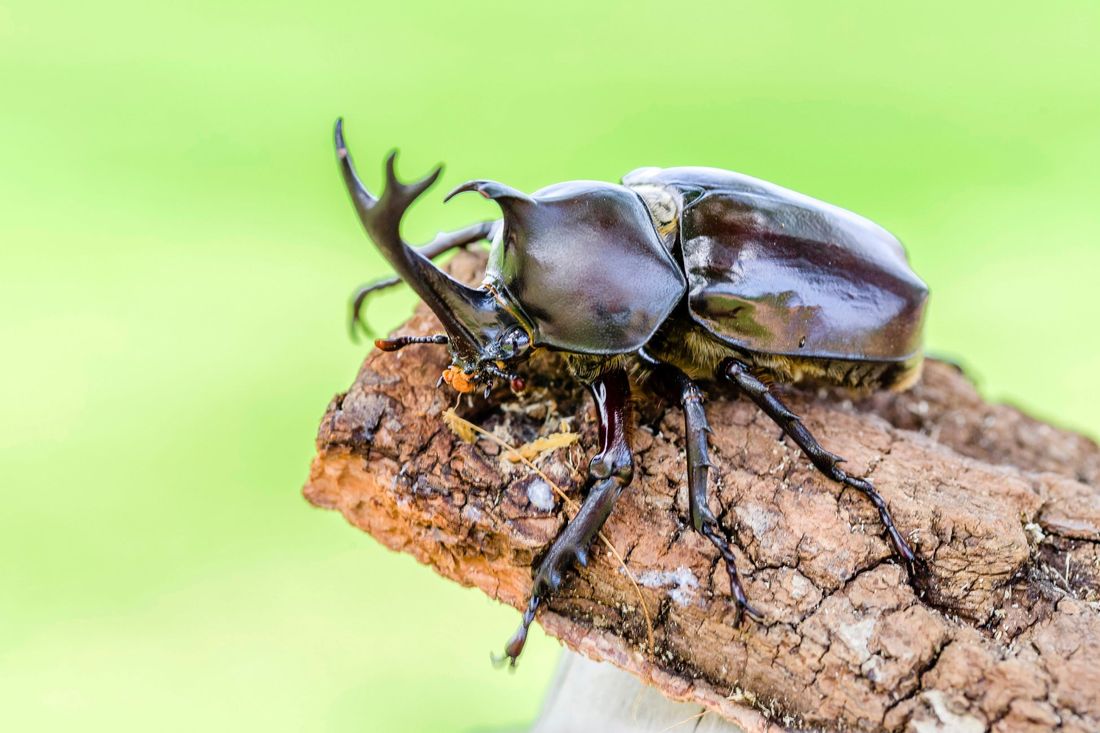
442	243
356	321
826	462
696	429
609	472
514	381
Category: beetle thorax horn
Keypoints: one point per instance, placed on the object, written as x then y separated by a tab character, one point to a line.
506	196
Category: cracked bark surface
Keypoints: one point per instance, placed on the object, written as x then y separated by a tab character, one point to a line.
1005	510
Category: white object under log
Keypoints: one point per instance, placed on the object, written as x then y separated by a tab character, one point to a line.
599	697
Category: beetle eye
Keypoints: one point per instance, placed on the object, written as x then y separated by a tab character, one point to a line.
514	343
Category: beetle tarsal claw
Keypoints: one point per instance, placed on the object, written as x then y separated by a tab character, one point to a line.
745	611
515	645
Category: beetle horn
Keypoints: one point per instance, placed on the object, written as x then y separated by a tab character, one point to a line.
504	195
465	312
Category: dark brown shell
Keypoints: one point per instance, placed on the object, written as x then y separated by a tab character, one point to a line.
773	271
586	266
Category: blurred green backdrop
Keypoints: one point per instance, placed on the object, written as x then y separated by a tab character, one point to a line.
176	250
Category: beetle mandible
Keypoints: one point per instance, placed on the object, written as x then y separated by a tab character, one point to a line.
673	277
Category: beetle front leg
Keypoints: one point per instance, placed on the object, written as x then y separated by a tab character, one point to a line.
826	462
609	472
442	243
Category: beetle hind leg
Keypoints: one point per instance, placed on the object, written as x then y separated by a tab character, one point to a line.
824	461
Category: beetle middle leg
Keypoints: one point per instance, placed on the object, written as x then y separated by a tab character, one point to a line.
824	461
703	520
609	472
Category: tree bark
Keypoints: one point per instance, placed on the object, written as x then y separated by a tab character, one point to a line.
1005	510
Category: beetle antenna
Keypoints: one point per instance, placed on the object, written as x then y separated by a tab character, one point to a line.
401	342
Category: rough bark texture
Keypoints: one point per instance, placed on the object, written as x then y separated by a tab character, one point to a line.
1005	509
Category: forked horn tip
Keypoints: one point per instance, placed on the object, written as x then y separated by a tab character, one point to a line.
391	160
338	139
432	177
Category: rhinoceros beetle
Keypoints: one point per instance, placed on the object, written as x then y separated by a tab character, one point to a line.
672	277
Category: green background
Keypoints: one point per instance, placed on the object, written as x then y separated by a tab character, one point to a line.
176	251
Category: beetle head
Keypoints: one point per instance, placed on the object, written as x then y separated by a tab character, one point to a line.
485	334
483	349
492	362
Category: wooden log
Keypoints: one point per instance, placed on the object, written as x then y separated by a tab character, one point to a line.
1005	509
